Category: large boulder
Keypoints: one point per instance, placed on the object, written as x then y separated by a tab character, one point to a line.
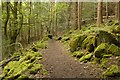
101	50
105	37
89	43
76	42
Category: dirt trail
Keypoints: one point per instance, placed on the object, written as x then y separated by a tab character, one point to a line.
61	65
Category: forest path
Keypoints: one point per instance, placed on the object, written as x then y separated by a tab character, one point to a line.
61	65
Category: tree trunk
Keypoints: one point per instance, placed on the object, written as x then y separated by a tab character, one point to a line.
116	10
7	19
69	15
107	10
76	15
99	14
50	19
56	27
29	31
119	12
79	14
15	27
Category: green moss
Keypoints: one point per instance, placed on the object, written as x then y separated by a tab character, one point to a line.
112	71
101	50
14	69
45	38
40	44
76	42
89	43
35	68
115	50
117	53
86	57
116	29
16	54
96	60
103	62
28	61
78	54
23	77
65	38
44	72
107	55
111	23
106	37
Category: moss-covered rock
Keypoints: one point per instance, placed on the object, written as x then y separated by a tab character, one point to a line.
76	42
116	29
103	62
35	68
65	38
86	57
112	71
27	62
14	69
115	50
39	45
89	43
45	38
101	50
78	54
105	37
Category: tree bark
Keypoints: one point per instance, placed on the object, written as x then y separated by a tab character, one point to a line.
116	10
56	27
99	14
76	15
7	19
107	10
79	14
29	21
69	15
14	28
119	12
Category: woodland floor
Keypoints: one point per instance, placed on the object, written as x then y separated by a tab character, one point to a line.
60	64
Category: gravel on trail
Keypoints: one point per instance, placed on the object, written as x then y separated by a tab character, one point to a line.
60	64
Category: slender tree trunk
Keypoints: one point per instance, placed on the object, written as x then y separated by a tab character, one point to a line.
79	14
15	27
119	12
56	27
116	10
7	19
29	21
50	19
76	15
107	10
69	15
99	14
